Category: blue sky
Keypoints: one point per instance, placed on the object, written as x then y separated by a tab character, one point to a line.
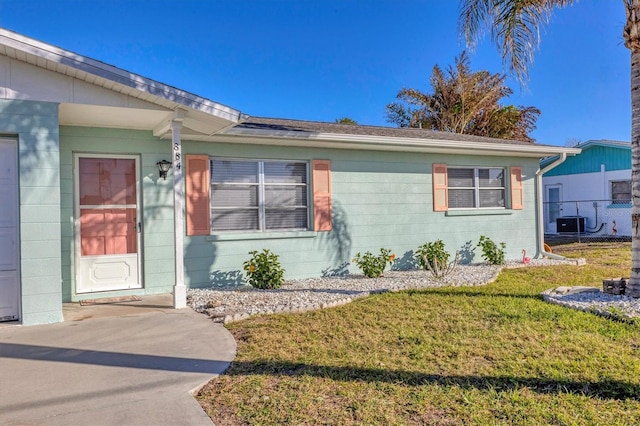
321	60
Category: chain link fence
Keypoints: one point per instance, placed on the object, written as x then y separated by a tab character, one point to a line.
587	221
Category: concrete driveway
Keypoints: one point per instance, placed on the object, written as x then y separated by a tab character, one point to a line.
136	369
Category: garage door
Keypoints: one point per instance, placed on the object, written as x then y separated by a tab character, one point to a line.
9	284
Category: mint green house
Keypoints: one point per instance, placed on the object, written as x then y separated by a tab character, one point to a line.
87	213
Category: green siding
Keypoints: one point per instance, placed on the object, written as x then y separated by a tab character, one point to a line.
590	160
380	199
35	125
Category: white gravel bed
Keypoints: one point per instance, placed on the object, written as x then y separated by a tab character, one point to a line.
591	299
234	304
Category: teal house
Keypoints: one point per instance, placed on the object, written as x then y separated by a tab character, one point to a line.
112	184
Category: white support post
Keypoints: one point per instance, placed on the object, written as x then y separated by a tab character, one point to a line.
179	289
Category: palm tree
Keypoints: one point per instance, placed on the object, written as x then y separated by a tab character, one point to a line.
464	101
346	120
515	29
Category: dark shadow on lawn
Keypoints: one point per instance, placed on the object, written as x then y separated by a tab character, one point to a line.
606	389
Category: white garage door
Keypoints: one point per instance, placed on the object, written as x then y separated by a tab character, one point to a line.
9	286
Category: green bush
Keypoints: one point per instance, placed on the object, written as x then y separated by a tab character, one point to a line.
491	252
430	255
264	270
434	258
372	266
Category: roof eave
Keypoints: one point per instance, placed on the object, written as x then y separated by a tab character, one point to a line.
386	143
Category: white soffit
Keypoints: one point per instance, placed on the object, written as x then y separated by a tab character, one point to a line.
112	117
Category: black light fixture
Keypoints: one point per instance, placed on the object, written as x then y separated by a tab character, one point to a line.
163	168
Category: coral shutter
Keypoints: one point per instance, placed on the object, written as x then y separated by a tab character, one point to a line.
517	192
440	189
321	175
198	184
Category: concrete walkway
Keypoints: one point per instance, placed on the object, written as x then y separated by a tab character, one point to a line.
136	368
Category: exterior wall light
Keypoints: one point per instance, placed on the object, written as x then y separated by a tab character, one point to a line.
163	168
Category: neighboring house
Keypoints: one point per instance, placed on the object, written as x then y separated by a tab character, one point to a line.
593	187
86	215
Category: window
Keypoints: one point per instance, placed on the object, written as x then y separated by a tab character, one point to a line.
472	188
251	195
621	191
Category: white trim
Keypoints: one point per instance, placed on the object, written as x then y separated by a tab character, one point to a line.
477	188
179	289
261	184
14	145
385	143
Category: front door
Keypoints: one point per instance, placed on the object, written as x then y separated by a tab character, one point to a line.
9	247
108	224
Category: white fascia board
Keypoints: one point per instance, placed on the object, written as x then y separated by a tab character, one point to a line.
386	143
117	75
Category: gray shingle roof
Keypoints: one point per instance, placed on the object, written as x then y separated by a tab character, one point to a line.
278	125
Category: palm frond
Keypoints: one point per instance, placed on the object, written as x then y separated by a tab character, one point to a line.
514	26
463	101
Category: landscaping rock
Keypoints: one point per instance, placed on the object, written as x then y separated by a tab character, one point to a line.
319	293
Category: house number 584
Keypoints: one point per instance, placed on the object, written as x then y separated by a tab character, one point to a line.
176	156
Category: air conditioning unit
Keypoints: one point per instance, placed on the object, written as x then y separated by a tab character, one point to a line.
570	224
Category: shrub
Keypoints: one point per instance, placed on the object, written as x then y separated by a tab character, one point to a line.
264	270
491	252
434	258
373	266
429	254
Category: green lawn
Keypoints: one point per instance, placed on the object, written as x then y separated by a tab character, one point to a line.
495	354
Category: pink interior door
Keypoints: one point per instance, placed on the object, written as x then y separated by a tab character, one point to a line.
108	224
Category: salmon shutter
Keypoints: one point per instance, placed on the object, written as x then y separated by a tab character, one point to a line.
198	184
440	189
321	175
517	192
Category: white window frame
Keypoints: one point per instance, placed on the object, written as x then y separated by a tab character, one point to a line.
477	189
626	201
260	184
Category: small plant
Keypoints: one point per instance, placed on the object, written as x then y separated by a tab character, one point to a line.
434	258
372	266
430	253
491	252
264	270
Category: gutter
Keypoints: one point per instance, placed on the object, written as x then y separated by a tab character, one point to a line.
541	251
389	143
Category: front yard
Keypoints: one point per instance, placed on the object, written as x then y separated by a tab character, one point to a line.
495	354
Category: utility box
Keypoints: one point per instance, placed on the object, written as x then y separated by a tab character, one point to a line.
614	285
573	224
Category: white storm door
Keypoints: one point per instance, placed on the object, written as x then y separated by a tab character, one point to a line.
9	245
107	220
553	207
